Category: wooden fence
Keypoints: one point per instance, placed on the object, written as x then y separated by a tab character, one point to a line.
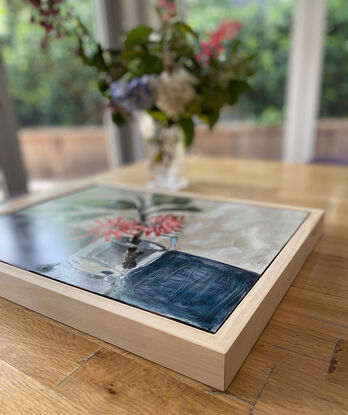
63	153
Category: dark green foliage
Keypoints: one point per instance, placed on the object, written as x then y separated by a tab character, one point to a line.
172	208
176	46
167	203
118	118
158	116
144	64
157	199
53	86
334	102
235	88
107	204
137	37
189	129
124	204
50	86
266	34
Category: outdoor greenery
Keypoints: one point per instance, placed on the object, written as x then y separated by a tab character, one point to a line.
53	86
170	71
334	102
266	32
50	86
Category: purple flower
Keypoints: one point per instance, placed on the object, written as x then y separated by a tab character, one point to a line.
133	95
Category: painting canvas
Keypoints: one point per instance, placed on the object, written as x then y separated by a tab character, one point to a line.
188	259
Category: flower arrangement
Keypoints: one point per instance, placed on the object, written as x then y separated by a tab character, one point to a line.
159	225
148	217
171	73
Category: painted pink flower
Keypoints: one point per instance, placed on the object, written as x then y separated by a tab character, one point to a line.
112	227
159	225
162	225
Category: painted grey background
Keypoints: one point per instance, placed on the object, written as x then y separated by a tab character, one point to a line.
246	236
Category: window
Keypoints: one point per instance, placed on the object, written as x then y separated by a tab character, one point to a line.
332	144
253	128
57	102
265	33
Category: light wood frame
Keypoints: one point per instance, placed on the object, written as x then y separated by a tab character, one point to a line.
213	359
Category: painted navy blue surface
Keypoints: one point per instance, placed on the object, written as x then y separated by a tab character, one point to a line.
188	288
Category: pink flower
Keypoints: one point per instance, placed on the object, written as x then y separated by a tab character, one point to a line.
168	9
162	225
159	225
209	50
171	7
228	30
112	227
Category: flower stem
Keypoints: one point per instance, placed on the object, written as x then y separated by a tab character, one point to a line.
130	258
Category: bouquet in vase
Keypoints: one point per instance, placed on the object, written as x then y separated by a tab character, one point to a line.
172	74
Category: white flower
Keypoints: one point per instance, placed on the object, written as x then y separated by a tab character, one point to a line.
174	91
146	124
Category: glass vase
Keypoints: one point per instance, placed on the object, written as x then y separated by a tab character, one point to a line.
116	257
166	152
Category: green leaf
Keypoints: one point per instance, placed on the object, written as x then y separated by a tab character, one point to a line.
181	208
95	60
81	52
158	115
118	118
232	47
103	86
212	119
107	204
235	89
158	10
137	36
114	52
126	77
145	64
185	28
157	199
189	130
124	204
131	54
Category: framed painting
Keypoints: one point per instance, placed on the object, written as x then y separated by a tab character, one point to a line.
184	280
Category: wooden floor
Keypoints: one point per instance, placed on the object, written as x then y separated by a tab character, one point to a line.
298	366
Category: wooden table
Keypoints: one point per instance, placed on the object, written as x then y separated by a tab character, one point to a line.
298	366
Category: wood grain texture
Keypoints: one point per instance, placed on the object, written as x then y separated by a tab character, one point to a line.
22	395
44	350
131	387
298	365
304	392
